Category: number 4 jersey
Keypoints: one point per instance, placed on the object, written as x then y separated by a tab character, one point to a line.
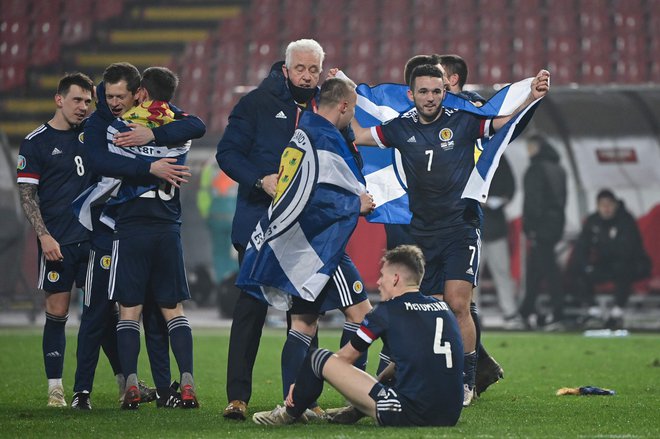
425	344
52	159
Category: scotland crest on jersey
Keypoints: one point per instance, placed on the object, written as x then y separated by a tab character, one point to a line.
297	245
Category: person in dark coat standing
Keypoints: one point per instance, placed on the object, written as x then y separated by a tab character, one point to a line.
260	127
543	223
609	249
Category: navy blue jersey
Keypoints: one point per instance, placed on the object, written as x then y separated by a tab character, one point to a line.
155	208
104	163
424	341
52	159
437	159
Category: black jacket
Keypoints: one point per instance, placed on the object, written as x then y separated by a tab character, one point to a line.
615	244
545	196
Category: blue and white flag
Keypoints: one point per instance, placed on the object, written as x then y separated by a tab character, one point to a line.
383	171
297	245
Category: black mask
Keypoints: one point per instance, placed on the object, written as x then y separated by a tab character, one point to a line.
300	94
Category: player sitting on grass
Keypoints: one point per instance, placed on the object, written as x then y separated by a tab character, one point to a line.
426	352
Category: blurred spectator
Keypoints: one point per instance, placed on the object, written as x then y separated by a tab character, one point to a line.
216	201
543	224
609	249
495	243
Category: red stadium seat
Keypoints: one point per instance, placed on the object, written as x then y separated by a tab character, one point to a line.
330	19
77	16
296	21
104	9
264	19
335	52
12	76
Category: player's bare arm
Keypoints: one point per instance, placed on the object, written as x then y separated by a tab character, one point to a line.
362	135
167	170
539	88
49	246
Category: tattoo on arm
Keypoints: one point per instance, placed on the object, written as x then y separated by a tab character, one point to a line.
28	194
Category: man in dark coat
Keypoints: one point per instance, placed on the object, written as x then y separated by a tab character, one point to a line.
543	223
609	249
260	127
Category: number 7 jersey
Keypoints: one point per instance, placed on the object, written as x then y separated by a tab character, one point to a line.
52	160
425	344
438	159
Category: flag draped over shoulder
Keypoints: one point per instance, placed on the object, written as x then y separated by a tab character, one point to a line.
112	191
383	171
298	243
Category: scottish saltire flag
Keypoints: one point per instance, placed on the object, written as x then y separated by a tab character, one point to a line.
297	245
481	177
382	168
112	191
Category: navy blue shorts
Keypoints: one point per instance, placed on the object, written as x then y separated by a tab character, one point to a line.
345	288
395	410
98	274
148	263
450	257
59	276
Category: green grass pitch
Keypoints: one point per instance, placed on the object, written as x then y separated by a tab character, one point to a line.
522	405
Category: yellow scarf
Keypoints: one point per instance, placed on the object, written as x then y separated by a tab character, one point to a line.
150	114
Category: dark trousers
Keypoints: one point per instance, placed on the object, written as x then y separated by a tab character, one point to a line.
248	322
542	268
617	273
98	328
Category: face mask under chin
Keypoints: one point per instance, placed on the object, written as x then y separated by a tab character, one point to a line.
300	94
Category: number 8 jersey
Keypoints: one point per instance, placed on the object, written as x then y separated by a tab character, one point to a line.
52	159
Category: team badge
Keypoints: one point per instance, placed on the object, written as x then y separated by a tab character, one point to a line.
446	142
21	163
81	137
446	134
105	262
357	287
53	276
289	164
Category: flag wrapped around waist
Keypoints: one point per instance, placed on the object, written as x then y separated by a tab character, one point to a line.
297	245
383	171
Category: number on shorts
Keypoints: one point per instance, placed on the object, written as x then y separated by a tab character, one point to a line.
473	251
438	346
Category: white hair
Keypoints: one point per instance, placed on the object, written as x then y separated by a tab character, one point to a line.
304	45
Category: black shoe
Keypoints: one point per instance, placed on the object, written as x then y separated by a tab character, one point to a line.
488	372
170	400
81	401
147	394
